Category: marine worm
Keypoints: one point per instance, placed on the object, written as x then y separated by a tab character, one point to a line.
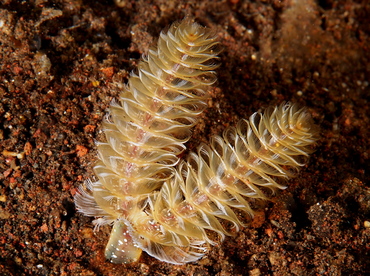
232	173
171	209
147	128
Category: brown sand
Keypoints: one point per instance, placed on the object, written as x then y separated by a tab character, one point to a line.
58	63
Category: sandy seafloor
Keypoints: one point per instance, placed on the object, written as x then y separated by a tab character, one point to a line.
59	61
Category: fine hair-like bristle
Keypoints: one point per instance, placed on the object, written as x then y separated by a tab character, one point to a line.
147	127
242	166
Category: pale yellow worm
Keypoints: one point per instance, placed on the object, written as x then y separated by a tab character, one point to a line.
147	128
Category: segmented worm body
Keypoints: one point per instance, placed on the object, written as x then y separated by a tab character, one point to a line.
172	209
146	130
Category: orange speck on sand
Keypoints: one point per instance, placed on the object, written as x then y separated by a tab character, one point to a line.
17	70
81	150
44	228
78	253
269	231
108	72
89	128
